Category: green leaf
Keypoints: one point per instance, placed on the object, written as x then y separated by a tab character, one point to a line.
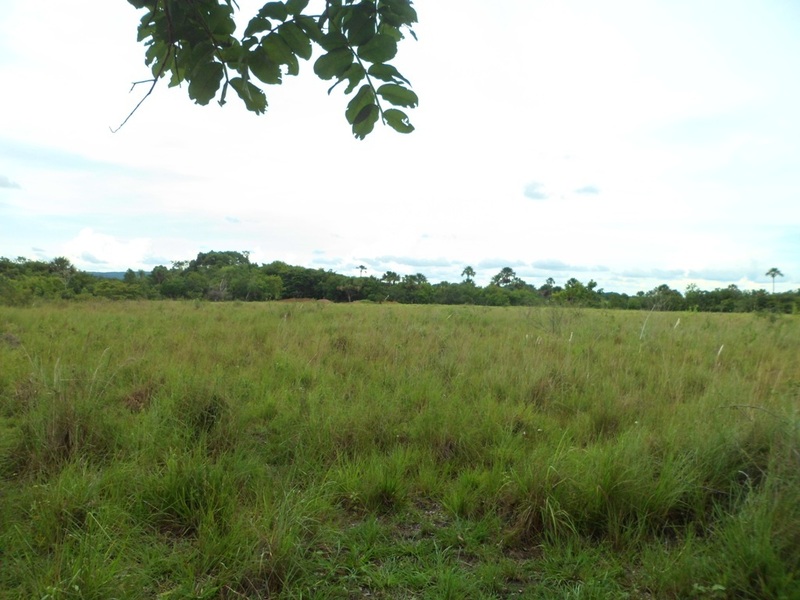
386	72
397	120
224	94
365	121
257	25
154	54
254	99
295	7
362	24
146	28
263	67
232	53
332	41
355	75
379	49
310	27
220	20
364	97
205	81
333	64
278	50
398	95
297	40
179	66
391	31
203	51
398	12
274	10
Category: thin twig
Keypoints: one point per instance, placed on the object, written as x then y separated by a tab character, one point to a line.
154	81
160	71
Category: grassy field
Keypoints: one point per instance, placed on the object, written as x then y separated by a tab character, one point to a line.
310	450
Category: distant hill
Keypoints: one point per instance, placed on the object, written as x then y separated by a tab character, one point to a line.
109	275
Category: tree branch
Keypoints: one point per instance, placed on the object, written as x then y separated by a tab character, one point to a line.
158	75
153	81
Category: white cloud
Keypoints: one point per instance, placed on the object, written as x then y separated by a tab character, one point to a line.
536	191
94	251
7	183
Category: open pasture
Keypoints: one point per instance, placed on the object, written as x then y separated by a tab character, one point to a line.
311	450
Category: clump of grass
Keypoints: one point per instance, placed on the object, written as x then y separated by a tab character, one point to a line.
759	537
186	494
63	423
49	437
289	527
530	500
66	417
375	483
74	540
473	492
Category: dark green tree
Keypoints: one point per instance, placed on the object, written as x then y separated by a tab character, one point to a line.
159	274
494	295
505	277
774	272
578	294
464	292
195	42
415	289
549	288
663	297
468	274
62	267
390	277
298	282
214	259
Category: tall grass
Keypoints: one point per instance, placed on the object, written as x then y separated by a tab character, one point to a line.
315	450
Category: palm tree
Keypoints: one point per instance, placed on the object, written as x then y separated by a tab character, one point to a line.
468	273
390	277
774	272
506	276
361	269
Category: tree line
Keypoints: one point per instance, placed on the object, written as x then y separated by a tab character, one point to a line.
230	275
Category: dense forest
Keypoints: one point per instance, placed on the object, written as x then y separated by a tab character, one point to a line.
229	275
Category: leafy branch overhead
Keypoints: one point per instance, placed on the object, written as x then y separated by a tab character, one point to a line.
194	41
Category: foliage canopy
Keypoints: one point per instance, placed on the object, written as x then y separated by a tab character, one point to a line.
196	42
230	275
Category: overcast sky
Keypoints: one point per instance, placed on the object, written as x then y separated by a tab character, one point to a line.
633	142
